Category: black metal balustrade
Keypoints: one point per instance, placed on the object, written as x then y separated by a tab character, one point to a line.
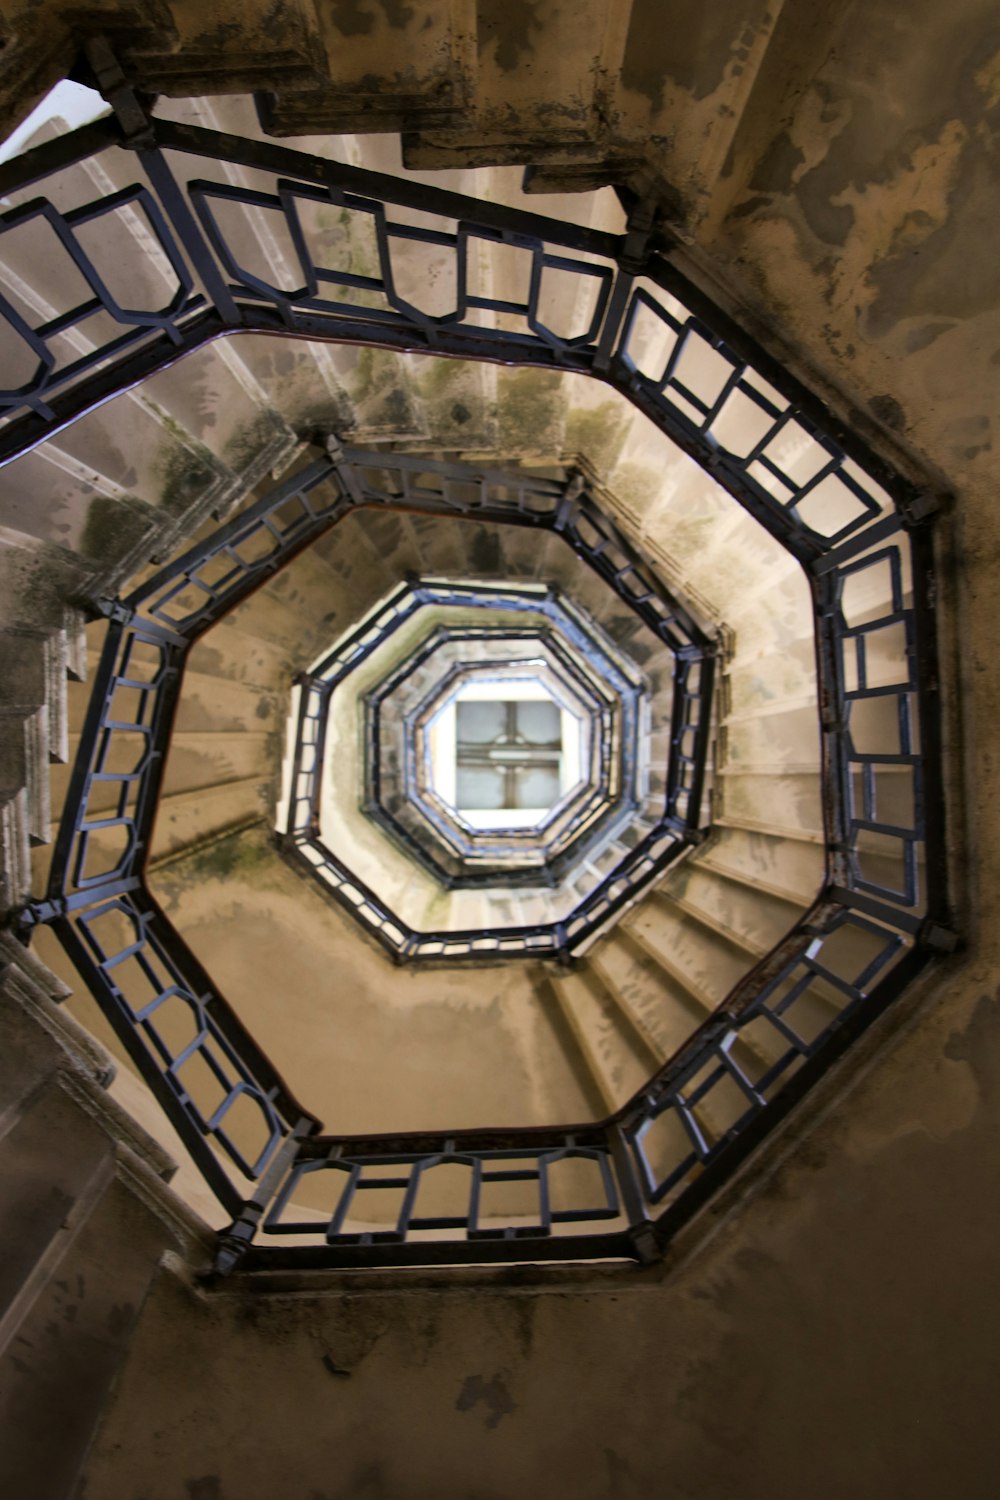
627	1183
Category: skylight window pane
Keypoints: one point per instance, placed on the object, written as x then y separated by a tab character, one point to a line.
480	786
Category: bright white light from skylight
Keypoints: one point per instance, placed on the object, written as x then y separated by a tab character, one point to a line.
507	773
68	103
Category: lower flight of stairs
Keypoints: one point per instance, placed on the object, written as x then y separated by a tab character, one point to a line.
85	1221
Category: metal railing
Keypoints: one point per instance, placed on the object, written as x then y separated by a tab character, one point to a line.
652	335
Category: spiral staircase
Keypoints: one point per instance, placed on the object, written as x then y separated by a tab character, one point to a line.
209	436
96	512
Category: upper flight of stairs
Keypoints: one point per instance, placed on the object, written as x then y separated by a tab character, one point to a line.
34	737
645	92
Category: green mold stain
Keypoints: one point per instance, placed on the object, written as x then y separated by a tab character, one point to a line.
111	529
185	470
597	433
244	854
531	408
247	445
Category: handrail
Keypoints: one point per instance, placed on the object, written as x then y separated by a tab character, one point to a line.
658	340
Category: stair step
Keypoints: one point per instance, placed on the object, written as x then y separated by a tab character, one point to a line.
272	622
328	592
24	763
678	943
531	407
758	683
232	651
668	1011
58	495
375	545
665	993
820	1003
748	915
219	705
195	761
43	1187
581	47
25	679
388	75
785	868
619	1061
457	399
773	734
785	800
73	1335
15	850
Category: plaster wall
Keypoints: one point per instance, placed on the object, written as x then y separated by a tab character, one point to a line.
837	1336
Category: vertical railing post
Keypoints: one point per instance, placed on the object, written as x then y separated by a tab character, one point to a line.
641	1231
235	1240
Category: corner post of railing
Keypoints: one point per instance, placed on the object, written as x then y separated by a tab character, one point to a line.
709	679
24	921
832	723
234	1241
643	220
304	683
568	502
641	1230
139	134
920	516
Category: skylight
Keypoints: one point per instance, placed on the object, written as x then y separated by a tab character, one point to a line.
504	752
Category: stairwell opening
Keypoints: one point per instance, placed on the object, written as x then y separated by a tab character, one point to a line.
850	532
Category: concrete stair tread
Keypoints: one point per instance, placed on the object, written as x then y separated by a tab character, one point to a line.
234	647
716	864
749	916
195	761
725	819
680	946
716	930
219	705
639	981
634	964
618	1060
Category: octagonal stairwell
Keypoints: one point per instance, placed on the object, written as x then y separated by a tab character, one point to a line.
803	156
376	1049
